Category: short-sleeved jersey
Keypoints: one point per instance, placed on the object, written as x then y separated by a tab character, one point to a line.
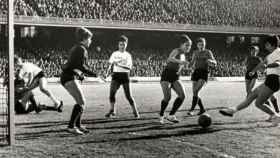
180	56
272	58
28	69
200	59
123	59
252	62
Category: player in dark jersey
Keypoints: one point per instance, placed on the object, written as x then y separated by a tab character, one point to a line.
201	60
72	73
170	78
251	62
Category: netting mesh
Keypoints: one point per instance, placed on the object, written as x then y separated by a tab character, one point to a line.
4	133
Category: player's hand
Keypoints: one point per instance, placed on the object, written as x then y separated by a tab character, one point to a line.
251	74
210	63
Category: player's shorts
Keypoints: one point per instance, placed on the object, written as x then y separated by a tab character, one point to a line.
41	74
199	74
120	77
272	82
19	108
169	76
248	77
67	76
36	78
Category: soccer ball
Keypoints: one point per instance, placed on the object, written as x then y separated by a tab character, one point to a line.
204	120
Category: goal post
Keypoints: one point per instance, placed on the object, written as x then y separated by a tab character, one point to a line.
11	124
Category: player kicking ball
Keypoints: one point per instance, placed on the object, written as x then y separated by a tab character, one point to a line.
121	64
271	85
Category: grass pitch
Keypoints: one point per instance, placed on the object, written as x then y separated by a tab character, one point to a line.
244	135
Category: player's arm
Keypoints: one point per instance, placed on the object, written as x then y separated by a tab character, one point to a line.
83	58
193	60
211	60
261	65
172	58
273	65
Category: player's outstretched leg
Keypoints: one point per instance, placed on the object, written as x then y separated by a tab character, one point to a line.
43	87
244	104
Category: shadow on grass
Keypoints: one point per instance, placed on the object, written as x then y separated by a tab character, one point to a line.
85	121
173	131
207	109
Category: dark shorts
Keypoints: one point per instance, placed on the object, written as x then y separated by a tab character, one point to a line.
70	76
65	77
39	75
248	77
19	108
169	76
199	74
120	77
272	82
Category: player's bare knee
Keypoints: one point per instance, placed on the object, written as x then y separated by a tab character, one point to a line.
167	99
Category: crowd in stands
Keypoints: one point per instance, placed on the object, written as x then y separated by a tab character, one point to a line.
256	13
146	62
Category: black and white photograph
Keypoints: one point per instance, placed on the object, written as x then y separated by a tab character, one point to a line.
139	78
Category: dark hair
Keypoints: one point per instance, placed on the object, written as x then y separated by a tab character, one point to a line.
82	34
123	38
184	38
273	40
201	39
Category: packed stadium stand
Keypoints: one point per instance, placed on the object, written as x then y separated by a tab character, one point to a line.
257	13
147	62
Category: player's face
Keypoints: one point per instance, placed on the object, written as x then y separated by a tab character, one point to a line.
186	47
122	46
268	47
201	45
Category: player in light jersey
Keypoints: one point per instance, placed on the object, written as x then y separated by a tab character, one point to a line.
72	73
121	64
170	79
34	77
271	85
201	60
